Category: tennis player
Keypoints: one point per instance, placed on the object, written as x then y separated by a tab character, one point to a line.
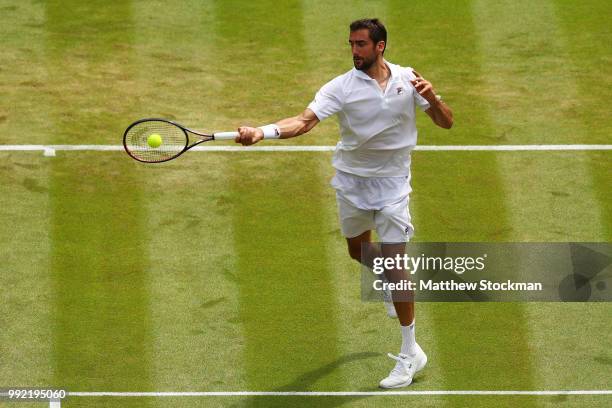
376	106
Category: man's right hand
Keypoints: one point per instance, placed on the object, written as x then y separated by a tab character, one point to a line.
249	135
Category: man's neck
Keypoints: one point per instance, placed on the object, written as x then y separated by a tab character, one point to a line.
379	70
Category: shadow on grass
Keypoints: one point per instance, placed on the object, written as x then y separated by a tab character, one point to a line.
304	383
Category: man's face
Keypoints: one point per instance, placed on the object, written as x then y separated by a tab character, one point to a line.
364	51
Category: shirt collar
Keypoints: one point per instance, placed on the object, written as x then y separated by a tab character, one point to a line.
363	75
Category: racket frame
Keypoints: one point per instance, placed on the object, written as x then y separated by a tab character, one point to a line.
204	137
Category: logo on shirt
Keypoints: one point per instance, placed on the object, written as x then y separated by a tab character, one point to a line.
400	90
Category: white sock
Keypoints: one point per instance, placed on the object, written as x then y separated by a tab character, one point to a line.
408	340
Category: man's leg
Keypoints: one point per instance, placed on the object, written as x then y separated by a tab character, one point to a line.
394	227
354	248
402	300
411	358
403	310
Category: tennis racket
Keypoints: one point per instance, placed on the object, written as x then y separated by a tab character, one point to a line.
159	140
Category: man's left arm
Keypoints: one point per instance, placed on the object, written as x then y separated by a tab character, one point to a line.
438	111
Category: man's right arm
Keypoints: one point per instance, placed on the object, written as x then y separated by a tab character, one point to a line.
289	127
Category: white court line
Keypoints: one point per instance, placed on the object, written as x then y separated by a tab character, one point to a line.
57	403
335	393
289	148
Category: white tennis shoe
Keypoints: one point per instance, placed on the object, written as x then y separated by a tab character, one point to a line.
405	369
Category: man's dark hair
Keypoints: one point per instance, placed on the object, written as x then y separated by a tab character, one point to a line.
375	27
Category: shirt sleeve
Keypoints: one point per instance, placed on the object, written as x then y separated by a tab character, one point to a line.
418	99
328	100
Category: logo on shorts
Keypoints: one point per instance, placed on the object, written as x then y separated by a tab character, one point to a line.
407	230
400	90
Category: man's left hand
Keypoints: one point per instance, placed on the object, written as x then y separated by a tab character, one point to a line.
424	88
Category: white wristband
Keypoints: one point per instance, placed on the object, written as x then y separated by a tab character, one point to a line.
271	131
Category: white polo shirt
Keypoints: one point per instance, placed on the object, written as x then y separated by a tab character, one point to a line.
377	127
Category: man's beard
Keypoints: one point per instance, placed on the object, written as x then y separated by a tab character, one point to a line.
365	64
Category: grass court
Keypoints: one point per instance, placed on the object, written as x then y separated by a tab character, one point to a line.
226	271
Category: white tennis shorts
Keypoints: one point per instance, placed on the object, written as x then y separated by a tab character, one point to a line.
374	203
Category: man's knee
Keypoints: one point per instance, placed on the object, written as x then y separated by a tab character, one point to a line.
355	252
354	245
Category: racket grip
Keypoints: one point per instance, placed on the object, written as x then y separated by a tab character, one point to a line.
225	135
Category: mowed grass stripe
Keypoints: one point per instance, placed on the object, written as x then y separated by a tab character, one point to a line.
531	84
459	196
196	327
372	332
600	166
286	296
25	303
402	49
90	80
286	301
196	330
179	76
549	196
513	57
24	77
477	345
582	338
585	31
101	336
365	334
584	51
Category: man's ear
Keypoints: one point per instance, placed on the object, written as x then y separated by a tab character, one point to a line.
380	46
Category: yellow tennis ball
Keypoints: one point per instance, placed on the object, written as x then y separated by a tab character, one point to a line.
154	140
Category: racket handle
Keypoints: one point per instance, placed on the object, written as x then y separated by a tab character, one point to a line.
225	135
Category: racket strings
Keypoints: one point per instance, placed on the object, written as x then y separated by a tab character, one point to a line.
173	141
